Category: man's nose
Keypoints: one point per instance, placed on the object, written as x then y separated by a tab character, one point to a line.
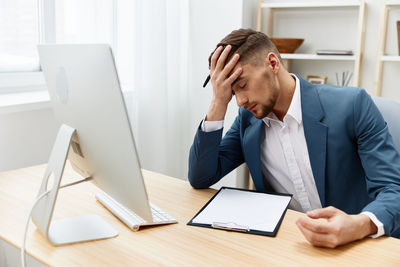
241	100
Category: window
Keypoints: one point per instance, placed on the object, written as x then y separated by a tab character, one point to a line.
84	21
19	31
26	23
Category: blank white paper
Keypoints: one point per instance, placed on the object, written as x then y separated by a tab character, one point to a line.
257	211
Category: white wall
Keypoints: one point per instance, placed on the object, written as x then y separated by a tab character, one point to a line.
26	138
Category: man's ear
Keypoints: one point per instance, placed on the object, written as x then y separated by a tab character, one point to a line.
272	62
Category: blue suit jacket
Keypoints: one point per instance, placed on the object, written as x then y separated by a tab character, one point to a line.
354	162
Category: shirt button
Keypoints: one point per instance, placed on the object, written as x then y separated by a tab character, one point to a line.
299	188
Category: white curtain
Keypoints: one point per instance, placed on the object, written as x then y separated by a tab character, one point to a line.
156	71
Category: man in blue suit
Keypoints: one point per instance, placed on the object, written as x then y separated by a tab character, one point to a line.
328	146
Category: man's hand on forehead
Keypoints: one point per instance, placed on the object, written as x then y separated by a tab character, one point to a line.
222	54
223	74
221	71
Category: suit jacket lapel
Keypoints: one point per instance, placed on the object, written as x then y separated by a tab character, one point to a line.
316	134
251	150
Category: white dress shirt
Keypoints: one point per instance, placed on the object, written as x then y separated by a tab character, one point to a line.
285	161
284	157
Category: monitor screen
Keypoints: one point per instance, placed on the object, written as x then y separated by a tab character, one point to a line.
85	93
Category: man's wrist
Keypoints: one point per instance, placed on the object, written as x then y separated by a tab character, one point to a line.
217	111
366	225
377	222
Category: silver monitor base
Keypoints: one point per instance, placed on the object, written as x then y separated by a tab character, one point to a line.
69	230
79	229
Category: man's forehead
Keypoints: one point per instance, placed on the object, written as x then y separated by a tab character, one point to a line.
242	76
240	65
246	68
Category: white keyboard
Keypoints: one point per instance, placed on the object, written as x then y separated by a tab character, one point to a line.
131	219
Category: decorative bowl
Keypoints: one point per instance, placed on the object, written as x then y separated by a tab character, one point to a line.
287	45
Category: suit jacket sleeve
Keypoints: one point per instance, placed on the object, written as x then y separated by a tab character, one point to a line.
212	157
381	162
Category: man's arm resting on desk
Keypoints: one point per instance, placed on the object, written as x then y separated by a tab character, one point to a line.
336	229
381	163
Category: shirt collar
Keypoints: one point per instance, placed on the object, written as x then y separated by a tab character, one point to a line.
295	106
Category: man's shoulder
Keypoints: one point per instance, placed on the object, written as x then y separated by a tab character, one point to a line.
334	101
338	95
325	90
329	94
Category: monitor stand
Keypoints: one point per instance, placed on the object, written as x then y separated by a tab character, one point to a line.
70	230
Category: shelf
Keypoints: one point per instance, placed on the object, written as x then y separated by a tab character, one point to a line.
393	3
386	6
358	50
318	57
300	4
391	58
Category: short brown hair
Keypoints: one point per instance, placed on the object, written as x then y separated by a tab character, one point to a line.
248	44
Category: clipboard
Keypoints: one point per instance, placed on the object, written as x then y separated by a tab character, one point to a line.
222	205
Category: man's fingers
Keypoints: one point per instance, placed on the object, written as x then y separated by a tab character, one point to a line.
323	213
214	58
231	65
316	226
317	239
222	58
234	75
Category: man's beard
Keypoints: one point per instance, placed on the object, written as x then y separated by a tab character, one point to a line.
265	110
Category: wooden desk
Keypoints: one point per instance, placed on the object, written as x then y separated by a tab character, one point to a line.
176	244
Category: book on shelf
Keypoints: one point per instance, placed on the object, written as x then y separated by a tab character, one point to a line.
334	52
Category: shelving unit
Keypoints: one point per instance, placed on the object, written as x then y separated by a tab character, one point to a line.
317	57
381	58
296	4
357	57
390	58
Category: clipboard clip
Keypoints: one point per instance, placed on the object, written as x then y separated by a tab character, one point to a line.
230	226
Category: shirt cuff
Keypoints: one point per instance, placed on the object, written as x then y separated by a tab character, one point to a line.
210	126
378	223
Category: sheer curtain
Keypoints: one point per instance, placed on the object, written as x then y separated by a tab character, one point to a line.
160	83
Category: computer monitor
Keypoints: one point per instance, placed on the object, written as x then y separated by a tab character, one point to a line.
85	94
